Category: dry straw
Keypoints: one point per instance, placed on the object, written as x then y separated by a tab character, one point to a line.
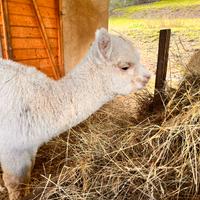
126	154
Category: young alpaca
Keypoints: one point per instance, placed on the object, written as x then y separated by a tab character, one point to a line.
35	109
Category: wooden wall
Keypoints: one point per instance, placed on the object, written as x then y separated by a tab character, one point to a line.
81	18
33	31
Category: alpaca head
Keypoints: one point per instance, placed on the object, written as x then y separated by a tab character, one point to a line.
120	63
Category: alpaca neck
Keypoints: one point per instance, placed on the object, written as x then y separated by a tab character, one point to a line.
84	93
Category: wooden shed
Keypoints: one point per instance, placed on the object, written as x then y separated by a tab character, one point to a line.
31	34
40	32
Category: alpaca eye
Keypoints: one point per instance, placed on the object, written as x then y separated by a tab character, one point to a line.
125	68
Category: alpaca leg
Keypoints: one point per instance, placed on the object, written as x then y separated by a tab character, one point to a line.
33	153
16	172
1	181
2	188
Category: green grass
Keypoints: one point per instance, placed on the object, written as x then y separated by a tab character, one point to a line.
175	4
147	29
126	23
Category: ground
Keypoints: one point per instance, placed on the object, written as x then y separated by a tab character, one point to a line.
142	25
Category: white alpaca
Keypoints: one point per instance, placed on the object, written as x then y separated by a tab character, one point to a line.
34	108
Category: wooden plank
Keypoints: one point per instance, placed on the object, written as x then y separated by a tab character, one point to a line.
51	3
53	43
1	49
27	10
47	70
21	1
20	20
6	29
26	54
38	63
46	41
52	33
1	23
31	32
21	32
49	23
4	52
1	30
20	9
31	21
47	12
60	39
163	52
34	63
20	43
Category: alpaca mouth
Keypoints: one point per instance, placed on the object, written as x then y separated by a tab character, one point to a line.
144	83
140	84
141	81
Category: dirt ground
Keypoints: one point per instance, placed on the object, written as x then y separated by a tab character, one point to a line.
170	13
182	48
189	12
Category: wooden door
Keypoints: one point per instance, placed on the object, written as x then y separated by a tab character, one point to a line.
31	33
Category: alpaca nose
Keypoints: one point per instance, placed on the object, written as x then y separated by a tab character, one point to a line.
147	77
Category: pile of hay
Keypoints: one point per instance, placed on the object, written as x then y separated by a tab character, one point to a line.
118	154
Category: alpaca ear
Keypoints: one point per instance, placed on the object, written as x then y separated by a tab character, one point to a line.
103	43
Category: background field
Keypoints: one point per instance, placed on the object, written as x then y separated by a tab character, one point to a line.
142	23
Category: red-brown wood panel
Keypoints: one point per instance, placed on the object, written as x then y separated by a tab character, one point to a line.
29	45
31	32
21	1
20	9
26	54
